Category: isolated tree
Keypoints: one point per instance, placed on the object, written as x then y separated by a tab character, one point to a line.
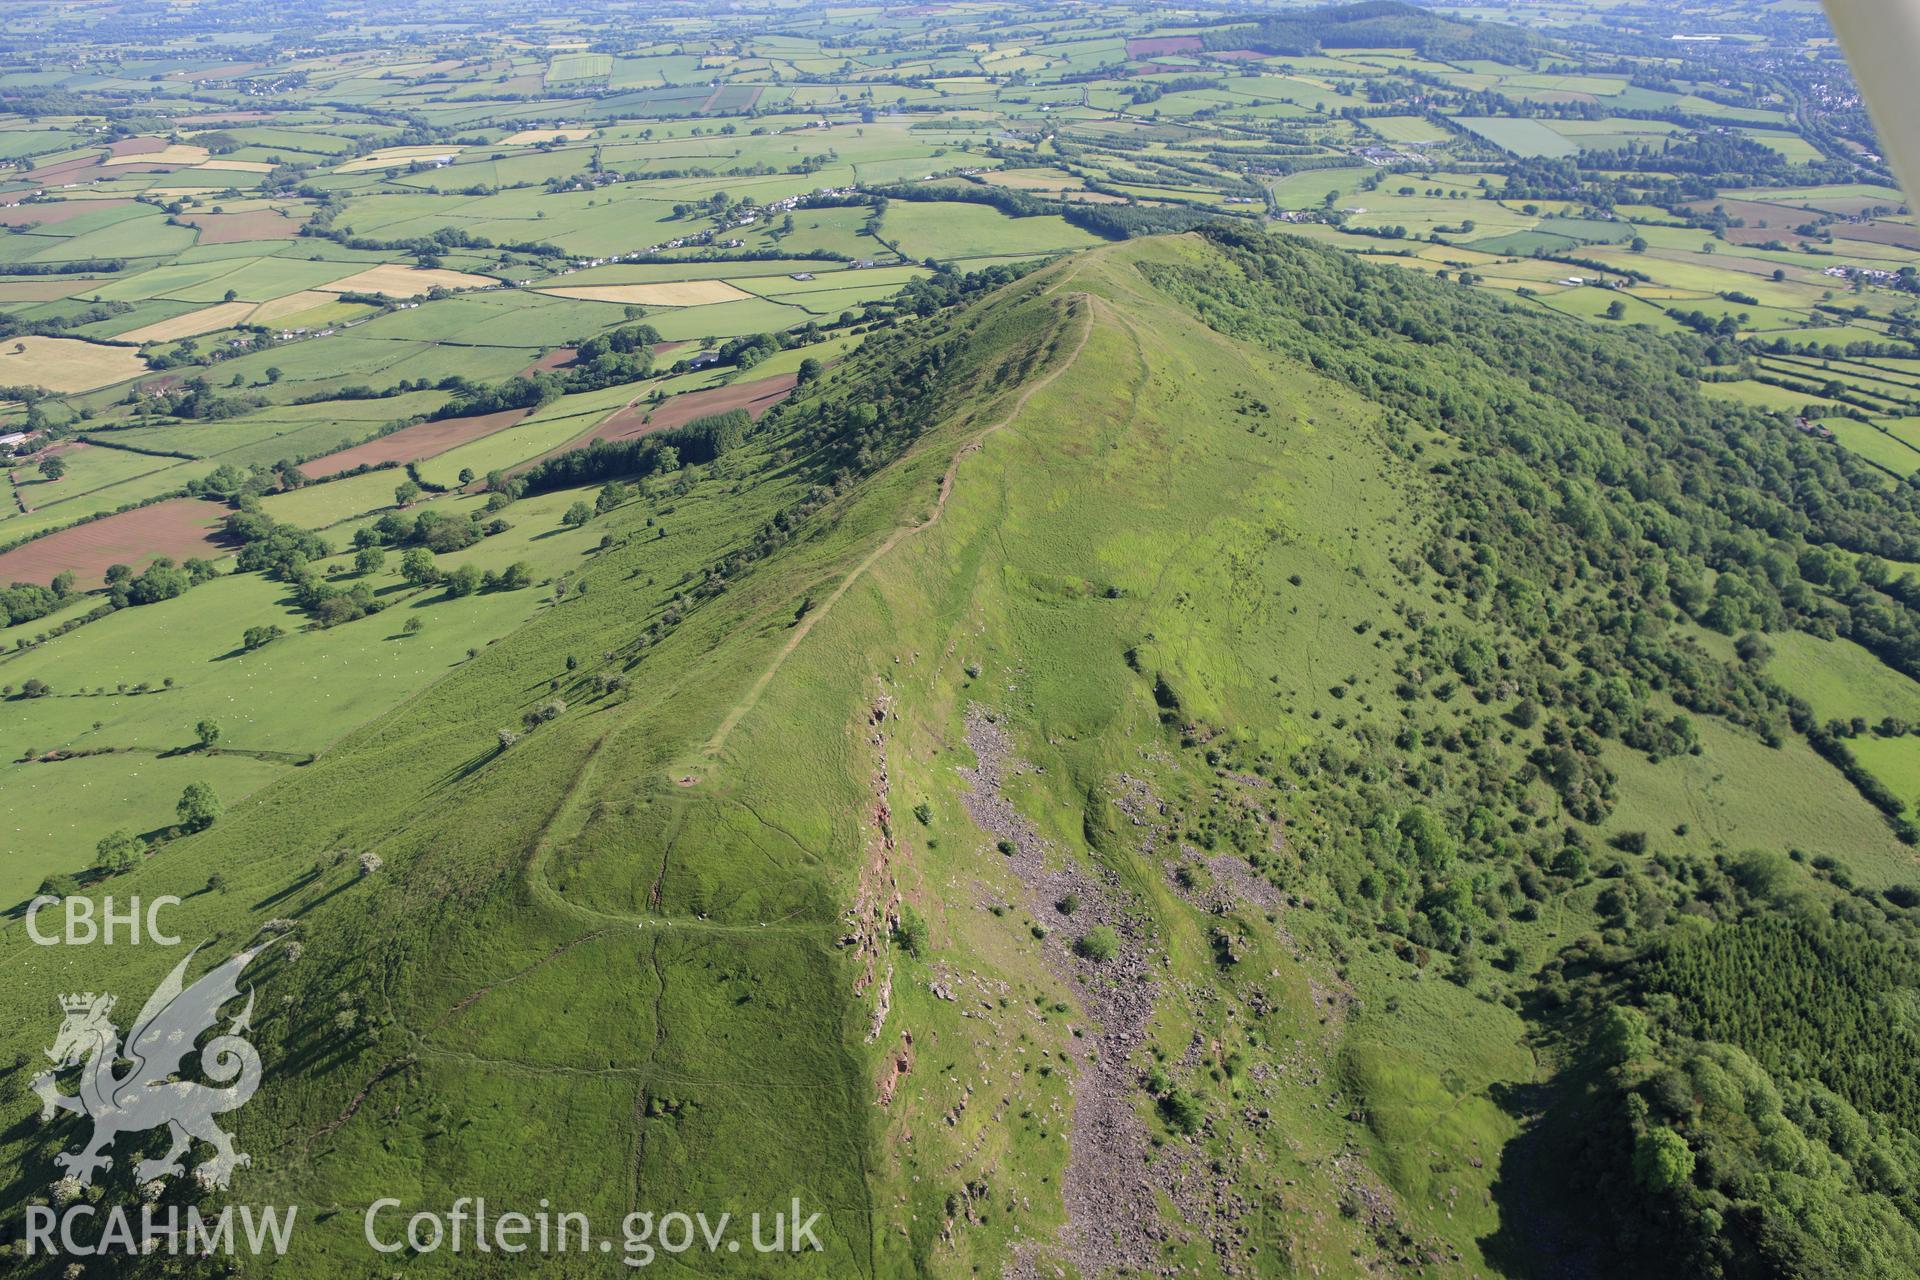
405	493
910	932
1182	1111
1097	944
370	559
118	851
418	568
199	807
1570	862
577	514
809	371
207	732
59	886
463	581
53	468
259	637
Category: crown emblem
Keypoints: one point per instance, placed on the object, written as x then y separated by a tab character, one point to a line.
86	1002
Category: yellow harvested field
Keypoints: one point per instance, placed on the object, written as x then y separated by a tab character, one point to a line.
1031	179
676	293
388	157
191	325
65	364
530	137
288	304
173	153
396	281
323	316
45	289
237	166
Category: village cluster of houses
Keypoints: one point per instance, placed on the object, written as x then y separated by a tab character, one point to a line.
1377	155
1872	275
706	239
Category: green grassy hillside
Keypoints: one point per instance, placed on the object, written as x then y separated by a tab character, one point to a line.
1164	765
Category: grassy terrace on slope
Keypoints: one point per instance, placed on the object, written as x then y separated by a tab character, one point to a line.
1330	621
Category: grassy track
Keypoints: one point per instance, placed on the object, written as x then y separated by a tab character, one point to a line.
807	623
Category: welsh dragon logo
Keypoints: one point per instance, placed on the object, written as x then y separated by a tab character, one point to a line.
148	1094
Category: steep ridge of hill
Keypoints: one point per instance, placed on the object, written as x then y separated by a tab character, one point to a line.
1176	763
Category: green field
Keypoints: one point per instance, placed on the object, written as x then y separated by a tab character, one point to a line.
941	229
1415	129
1521	137
54	810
